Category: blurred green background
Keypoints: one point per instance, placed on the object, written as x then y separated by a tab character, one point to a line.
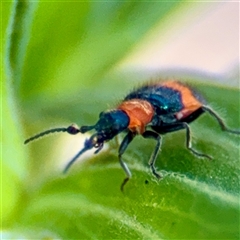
66	62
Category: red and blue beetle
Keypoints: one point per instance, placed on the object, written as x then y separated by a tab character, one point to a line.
151	110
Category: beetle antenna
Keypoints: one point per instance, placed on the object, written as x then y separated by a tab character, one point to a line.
45	133
74	159
87	146
73	129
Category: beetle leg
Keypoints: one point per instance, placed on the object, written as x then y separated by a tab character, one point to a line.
184	125
220	121
189	143
157	137
127	139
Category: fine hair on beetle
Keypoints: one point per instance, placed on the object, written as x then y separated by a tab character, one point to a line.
152	110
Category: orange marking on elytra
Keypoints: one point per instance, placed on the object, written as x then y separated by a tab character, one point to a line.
189	101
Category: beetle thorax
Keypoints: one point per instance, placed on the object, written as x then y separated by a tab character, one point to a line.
140	113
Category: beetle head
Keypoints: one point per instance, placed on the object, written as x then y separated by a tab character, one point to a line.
110	124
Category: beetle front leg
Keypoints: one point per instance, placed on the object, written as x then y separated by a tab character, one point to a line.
127	139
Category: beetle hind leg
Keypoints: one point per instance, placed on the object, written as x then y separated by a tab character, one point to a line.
220	121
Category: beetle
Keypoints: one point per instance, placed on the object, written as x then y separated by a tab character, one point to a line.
151	111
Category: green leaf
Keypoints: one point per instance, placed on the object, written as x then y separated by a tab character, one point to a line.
14	166
67	75
197	198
